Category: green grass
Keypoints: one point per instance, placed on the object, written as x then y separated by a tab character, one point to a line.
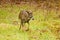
40	29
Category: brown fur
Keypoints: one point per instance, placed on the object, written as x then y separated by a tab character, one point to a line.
25	17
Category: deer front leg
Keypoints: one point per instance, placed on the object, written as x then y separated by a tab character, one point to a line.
21	25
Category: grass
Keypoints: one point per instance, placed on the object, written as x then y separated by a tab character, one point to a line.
40	29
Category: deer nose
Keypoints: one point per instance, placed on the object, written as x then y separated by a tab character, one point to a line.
32	18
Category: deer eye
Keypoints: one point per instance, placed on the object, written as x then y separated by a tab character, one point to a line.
31	16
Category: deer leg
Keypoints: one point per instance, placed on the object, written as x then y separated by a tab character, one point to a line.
28	27
21	25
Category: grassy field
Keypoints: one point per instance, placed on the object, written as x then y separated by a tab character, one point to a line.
43	27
